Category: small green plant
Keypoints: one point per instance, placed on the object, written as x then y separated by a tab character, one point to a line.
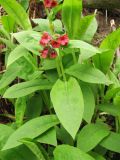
62	88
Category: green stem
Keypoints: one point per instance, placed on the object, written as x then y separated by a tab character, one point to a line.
61	66
58	67
50	22
74	57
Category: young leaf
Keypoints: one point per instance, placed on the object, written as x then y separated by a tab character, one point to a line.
20	106
90	136
15	10
25	88
71	13
49	137
66	152
31	129
89	103
68	103
87	73
112	142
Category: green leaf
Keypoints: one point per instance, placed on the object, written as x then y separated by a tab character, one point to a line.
34	106
25	88
31	129
15	10
20	106
8	23
97	156
91	135
87	73
103	61
18	52
83	45
10	74
68	103
71	13
43	25
5	132
110	109
49	137
112	142
87	28
34	148
66	152
29	40
89	103
18	153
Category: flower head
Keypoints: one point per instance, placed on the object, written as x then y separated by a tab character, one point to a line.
45	39
44	53
55	44
63	40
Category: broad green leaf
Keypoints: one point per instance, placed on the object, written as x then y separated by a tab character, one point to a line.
90	136
5	132
89	103
64	136
87	28
25	88
49	137
8	23
34	148
68	103
10	74
83	45
34	106
66	152
31	129
4	33
97	156
18	153
15	10
87	73
20	106
29	40
18	52
110	109
43	25
24	3
112	142
103	61
112	92
71	14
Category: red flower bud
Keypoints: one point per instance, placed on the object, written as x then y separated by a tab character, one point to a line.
55	44
44	53
45	39
63	40
50	3
53	55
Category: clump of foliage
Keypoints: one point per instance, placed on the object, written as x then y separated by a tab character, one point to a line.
62	88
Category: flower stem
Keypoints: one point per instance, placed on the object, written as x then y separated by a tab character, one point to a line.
61	66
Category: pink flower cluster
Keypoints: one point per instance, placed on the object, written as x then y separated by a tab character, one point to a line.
50	3
49	44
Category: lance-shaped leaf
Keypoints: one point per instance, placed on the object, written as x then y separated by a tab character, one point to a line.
68	103
31	129
16	11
